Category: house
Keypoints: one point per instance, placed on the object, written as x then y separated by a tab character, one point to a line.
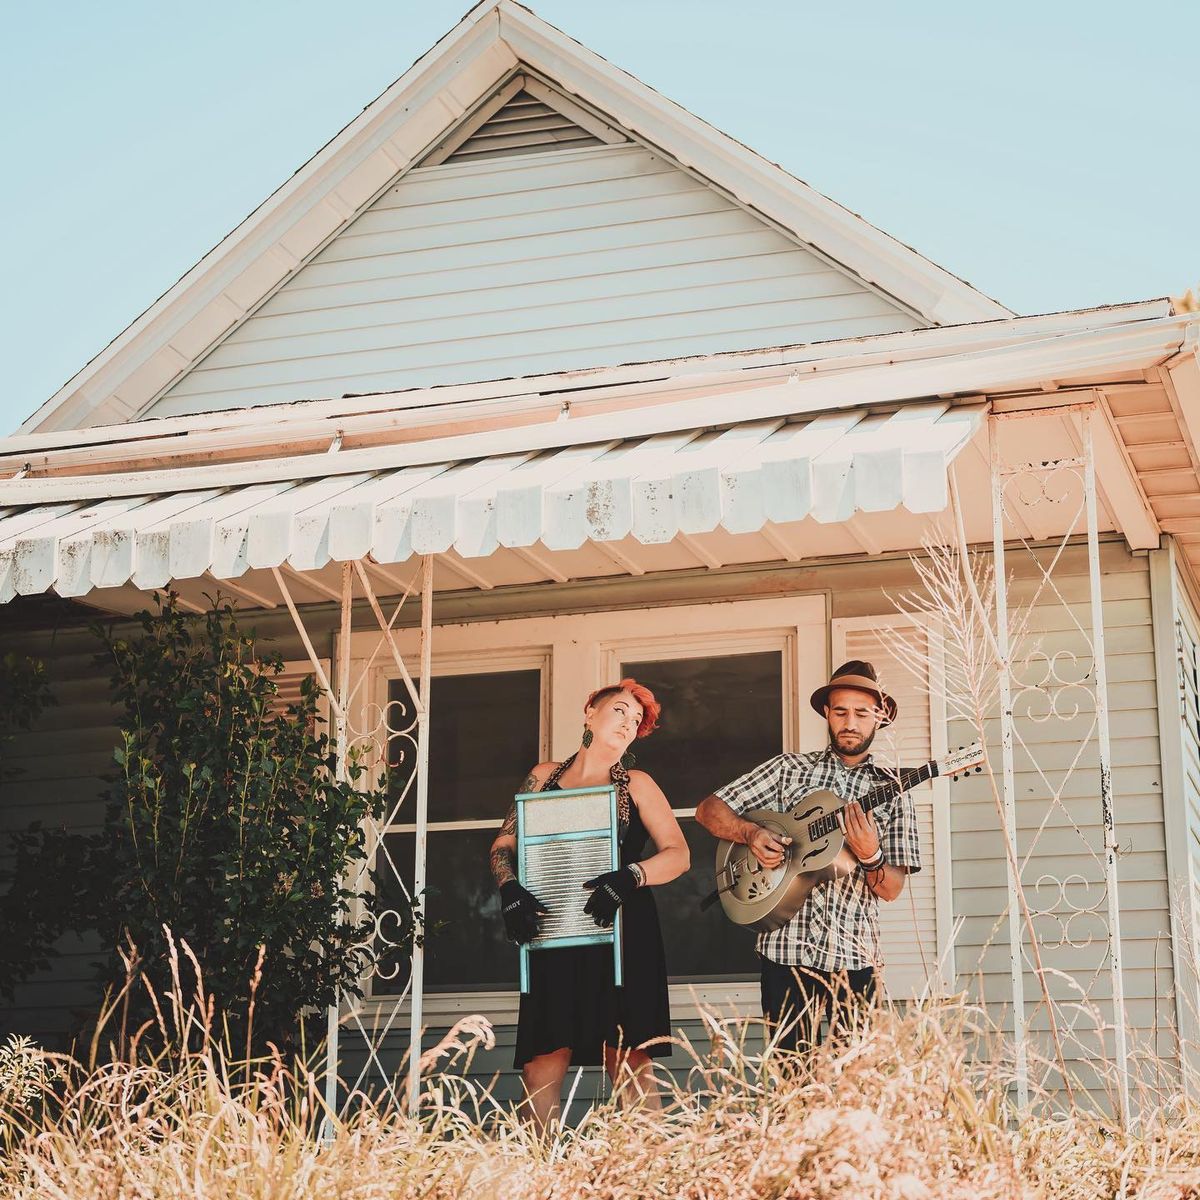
607	392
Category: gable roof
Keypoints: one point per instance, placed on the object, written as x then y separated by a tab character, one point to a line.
418	117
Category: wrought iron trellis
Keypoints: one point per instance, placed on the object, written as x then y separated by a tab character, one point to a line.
365	730
1056	498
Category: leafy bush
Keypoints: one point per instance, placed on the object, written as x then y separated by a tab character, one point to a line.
224	823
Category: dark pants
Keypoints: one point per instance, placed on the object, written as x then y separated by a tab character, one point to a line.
797	999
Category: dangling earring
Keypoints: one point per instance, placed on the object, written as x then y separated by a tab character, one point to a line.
628	759
587	736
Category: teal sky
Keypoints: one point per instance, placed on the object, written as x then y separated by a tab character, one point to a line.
1046	152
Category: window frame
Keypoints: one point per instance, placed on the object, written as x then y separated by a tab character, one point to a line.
533	658
743	994
580	652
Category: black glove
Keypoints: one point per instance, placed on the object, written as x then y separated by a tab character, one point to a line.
522	912
609	892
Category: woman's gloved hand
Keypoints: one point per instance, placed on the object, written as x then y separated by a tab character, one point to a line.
609	892
522	912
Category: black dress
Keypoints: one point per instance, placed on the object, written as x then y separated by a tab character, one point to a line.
572	1001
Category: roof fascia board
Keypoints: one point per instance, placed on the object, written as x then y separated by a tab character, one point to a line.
996	369
468	127
1183	375
716	368
849	239
390	136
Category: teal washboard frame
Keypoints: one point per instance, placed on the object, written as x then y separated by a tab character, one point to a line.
538	835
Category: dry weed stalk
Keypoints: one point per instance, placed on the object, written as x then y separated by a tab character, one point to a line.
895	1109
953	604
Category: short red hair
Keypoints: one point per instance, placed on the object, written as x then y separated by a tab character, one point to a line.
651	709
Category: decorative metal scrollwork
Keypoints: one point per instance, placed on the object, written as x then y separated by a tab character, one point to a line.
1073	915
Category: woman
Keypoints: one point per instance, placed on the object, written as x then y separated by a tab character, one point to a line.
573	1014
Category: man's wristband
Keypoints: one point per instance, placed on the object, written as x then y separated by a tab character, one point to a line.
874	862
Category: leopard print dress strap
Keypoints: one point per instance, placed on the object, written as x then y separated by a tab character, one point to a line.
620	779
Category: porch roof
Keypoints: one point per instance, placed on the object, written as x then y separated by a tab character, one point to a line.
755	480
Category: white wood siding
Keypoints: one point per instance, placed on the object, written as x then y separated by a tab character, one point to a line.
1064	841
1187	635
518	265
977	853
62	761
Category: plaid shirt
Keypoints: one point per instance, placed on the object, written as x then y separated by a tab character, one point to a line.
837	928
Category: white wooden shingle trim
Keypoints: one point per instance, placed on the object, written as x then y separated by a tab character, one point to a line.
762	403
662	489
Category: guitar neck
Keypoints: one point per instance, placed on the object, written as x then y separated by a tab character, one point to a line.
906	778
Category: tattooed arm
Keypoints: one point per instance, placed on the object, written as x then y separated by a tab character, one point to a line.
503	857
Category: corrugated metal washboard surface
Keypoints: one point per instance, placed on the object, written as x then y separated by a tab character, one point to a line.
525	125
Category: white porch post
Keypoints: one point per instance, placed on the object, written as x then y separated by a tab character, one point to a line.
417	975
1106	789
341	749
1012	860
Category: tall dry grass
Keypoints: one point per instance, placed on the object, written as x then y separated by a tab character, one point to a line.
899	1108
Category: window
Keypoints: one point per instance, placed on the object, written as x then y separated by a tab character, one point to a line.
510	693
722	715
485	737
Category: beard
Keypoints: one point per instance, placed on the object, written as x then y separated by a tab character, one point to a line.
861	748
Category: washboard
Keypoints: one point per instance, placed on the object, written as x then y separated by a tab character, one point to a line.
564	838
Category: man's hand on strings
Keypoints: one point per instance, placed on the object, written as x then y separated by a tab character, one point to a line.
862	834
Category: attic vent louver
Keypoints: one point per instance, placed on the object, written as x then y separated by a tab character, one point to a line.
525	116
525	125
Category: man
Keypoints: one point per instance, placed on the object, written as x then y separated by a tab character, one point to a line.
824	960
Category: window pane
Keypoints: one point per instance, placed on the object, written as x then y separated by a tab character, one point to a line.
701	946
721	716
484	736
465	946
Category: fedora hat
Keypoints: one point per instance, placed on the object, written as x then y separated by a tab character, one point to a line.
855	674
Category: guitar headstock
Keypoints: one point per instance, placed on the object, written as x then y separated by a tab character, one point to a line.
963	760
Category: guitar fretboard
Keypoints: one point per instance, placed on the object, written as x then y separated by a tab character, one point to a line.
906	777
